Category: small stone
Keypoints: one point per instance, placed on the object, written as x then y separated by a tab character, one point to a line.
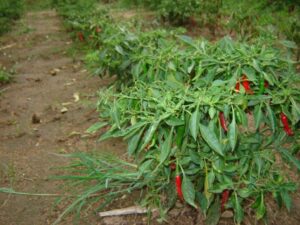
35	119
54	72
178	204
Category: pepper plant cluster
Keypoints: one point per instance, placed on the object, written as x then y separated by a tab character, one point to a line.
205	122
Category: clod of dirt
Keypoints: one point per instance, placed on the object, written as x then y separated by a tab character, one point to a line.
113	221
35	119
227	214
54	72
175	212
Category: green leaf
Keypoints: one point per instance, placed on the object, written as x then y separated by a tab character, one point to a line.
191	67
256	65
166	147
180	134
149	134
271	117
116	115
172	66
95	127
212	112
244	193
238	210
119	49
211	138
290	157
202	201
194	123
173	122
289	44
261	209
286	200
186	39
232	133
145	166
257	116
188	191
214	213
250	73
134	142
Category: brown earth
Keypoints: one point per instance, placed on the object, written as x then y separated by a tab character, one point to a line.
30	148
34	131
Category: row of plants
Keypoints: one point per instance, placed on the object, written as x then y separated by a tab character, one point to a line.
212	124
196	135
244	19
10	10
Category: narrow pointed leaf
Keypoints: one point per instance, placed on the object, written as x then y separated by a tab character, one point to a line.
134	142
232	133
166	148
188	191
194	124
211	138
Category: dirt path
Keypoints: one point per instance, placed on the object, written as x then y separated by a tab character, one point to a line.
28	149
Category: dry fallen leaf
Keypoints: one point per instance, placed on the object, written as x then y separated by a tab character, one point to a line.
76	97
66	103
64	110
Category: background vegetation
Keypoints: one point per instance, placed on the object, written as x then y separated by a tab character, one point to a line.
10	10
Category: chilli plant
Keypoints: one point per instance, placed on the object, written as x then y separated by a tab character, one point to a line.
219	139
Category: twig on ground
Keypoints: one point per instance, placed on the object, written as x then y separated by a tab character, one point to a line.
126	211
7	46
3	90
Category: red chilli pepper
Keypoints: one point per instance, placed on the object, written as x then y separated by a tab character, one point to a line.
80	36
223	121
224	200
246	85
178	187
286	125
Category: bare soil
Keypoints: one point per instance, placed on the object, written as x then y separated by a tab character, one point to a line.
34	132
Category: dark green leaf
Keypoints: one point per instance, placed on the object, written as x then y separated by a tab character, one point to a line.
238	210
257	116
134	142
166	148
188	191
214	213
261	209
290	157
286	199
211	138
271	117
